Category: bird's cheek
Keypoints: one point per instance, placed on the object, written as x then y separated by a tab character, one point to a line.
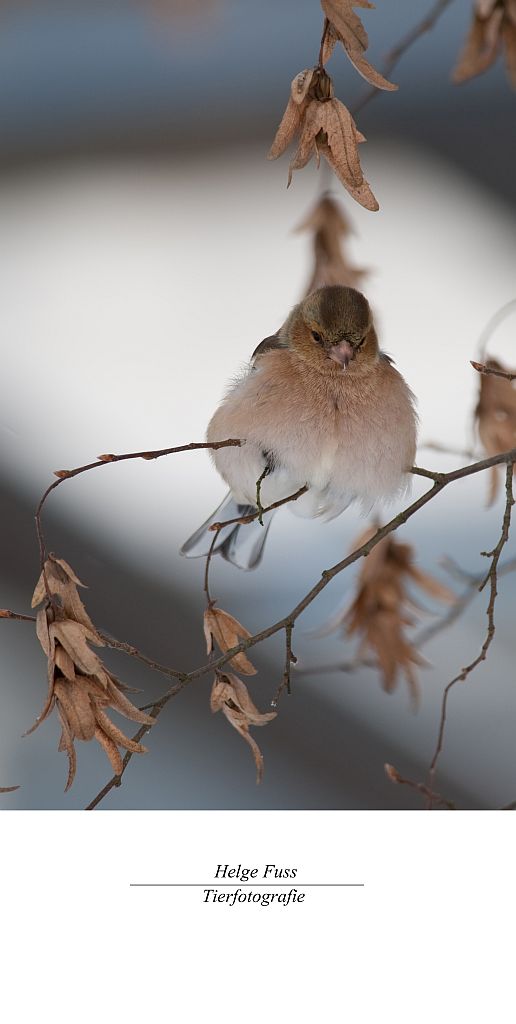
342	353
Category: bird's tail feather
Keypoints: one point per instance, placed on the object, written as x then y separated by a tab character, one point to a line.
240	544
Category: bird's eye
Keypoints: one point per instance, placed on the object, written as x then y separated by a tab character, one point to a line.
316	336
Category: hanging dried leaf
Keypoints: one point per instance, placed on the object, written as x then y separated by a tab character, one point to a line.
230	695
329	227
323	125
227	632
493	28
112	751
292	119
347	27
80	686
495	417
379	611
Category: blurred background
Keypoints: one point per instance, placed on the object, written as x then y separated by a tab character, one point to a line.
146	246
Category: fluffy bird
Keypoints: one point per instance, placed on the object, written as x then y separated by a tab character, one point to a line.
319	405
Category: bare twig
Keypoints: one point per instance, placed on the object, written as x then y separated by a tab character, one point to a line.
259	507
290	659
491	578
209	556
489	371
435	446
133	652
401	48
243	520
105	460
393	774
6	613
440	481
325	30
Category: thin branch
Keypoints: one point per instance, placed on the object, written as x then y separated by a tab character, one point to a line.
440	481
491	326
105	460
209	556
435	446
491	578
116	645
290	659
393	774
259	507
155	711
133	652
401	48
489	371
6	613
243	520
326	28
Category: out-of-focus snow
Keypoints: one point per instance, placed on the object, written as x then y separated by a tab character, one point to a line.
132	292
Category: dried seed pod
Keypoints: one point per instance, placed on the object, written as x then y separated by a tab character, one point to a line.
230	695
379	613
80	687
323	125
227	633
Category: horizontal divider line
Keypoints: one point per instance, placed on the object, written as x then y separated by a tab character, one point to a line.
248	885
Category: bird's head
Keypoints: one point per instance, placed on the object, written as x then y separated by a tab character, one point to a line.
332	330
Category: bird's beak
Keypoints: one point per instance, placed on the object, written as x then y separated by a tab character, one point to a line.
342	353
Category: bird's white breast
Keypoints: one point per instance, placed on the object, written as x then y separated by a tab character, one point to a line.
345	437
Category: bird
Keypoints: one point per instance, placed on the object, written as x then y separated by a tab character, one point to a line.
319	406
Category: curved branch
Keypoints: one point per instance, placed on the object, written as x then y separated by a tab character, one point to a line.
440	482
489	371
492	579
105	460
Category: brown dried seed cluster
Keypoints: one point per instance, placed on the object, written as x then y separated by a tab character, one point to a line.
493	28
320	122
330	227
230	695
79	685
495	417
379	613
324	126
227	632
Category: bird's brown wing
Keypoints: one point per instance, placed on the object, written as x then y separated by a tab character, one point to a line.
267	345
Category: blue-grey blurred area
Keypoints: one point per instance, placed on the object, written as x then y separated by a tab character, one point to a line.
146	246
147	75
